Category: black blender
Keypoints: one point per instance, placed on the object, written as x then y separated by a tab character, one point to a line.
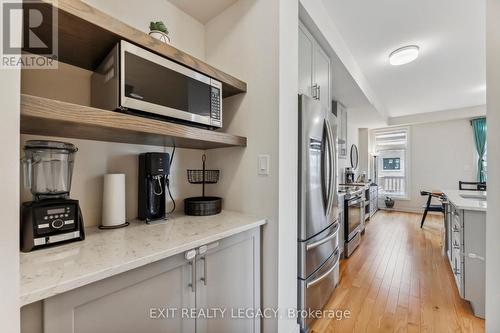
51	217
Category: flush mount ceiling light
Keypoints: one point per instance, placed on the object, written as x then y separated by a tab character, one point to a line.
404	55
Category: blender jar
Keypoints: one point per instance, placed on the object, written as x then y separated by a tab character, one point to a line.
48	167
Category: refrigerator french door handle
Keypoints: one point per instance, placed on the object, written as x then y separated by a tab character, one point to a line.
331	185
324	240
325	191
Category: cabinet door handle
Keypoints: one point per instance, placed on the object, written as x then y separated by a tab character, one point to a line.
204	277
193	276
191	256
314	91
319	92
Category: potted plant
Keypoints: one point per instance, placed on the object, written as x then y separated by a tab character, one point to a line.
159	31
389	202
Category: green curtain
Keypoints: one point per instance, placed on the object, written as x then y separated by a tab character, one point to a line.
480	128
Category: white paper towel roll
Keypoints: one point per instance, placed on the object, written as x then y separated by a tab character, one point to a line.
113	200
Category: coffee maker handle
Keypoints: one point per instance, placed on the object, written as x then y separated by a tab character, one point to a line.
27	172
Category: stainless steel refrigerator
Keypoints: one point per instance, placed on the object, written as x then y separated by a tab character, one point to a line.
318	230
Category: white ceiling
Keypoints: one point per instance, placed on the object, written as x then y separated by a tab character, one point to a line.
203	10
450	72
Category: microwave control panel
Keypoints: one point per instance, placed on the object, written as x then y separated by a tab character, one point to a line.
215	107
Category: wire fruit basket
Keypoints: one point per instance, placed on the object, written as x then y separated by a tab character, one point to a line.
203	176
202	206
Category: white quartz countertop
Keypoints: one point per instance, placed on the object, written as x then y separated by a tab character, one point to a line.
456	197
104	253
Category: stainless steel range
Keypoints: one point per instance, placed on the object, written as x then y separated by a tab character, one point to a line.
318	232
354	216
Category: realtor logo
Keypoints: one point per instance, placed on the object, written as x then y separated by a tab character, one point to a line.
29	34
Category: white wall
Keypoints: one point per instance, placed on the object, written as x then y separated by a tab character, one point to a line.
288	157
363	151
95	158
352	139
9	197
243	40
493	214
441	154
185	32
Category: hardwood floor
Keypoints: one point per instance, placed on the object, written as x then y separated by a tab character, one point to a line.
398	280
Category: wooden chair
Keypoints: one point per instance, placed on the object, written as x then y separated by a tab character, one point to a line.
431	208
471	186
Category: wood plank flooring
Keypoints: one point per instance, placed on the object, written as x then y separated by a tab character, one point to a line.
398	280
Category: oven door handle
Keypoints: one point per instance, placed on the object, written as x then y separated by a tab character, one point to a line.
324	275
324	240
357	201
331	185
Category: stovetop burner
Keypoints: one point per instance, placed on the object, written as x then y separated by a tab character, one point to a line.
351	190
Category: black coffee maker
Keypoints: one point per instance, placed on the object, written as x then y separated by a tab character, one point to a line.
154	169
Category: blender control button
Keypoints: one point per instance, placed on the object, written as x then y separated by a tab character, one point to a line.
43	226
46	218
57	224
66	215
56	216
69	222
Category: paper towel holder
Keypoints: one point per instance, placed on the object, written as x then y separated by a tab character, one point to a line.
114	190
103	227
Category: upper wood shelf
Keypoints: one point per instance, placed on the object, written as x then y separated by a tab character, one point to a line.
86	35
42	116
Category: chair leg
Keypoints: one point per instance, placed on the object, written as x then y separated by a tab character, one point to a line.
425	211
423	218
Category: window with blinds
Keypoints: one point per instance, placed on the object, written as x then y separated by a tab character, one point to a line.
391	148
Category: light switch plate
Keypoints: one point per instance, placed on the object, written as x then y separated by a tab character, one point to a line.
263	165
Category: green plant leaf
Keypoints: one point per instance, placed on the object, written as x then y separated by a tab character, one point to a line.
161	26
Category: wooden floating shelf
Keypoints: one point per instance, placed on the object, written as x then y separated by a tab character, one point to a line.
86	35
43	116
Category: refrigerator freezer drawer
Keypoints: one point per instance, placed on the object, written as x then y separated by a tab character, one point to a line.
315	292
315	251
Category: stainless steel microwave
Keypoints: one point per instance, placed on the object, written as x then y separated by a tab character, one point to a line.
133	79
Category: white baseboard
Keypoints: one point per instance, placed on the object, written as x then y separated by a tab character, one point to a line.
409	210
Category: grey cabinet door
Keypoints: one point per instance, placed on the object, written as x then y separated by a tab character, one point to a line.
322	70
124	303
229	279
306	46
475	253
342	116
341	231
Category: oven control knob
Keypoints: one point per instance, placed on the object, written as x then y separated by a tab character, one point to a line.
57	224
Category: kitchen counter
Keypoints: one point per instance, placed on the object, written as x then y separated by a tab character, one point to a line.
466	203
105	253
